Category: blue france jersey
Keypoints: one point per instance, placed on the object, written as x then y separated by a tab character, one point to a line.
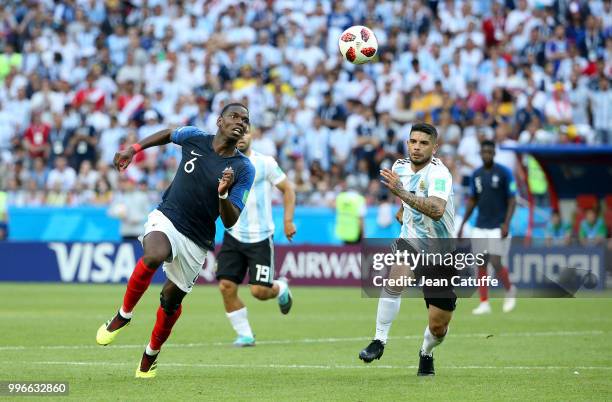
492	190
191	202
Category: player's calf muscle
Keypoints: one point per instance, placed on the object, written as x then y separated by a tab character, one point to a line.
438	329
438	321
228	288
262	292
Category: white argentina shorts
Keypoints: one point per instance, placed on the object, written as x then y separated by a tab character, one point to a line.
183	267
490	241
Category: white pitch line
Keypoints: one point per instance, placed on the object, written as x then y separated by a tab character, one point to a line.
319	366
306	340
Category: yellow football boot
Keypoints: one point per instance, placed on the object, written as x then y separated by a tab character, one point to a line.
104	336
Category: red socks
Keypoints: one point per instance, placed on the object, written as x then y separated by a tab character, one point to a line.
504	278
163	326
483	290
139	282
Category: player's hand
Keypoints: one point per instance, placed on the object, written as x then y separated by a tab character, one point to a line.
290	230
504	230
123	158
391	180
226	180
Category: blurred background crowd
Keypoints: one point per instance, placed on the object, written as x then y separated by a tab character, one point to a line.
81	79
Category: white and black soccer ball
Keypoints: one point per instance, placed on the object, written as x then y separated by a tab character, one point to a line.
358	44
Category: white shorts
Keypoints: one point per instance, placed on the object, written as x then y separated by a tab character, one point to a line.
489	241
183	267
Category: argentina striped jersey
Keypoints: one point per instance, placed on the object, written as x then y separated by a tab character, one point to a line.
433	180
255	222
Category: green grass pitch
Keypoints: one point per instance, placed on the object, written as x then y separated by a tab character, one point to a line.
545	350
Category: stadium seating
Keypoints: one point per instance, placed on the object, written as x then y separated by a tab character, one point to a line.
72	85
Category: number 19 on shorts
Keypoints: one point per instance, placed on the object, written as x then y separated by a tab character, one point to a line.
262	274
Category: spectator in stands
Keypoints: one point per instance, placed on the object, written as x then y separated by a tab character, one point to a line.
468	153
131	205
476	101
96	70
592	230
300	177
62	177
559	109
601	109
82	146
102	192
535	134
503	138
59	138
57	196
558	233
39	173
7	134
36	138
367	142
33	196
110	139
87	177
331	114
317	144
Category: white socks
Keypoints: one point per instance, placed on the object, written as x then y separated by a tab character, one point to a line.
388	307
150	351
240	322
282	286
430	341
125	315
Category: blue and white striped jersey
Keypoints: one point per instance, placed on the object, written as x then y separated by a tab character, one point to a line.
433	180
255	223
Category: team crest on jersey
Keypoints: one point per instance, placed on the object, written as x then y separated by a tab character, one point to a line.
422	185
495	181
478	184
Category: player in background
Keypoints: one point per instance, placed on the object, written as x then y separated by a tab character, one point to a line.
424	186
494	193
213	179
248	245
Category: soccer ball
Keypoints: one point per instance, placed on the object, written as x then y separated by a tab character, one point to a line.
358	44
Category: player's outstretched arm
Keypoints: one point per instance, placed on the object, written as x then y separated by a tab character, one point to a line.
430	206
123	158
286	187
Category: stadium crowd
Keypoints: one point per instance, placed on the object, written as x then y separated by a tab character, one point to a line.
80	79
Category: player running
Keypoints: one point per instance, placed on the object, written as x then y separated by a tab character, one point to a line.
213	179
494	192
424	185
248	245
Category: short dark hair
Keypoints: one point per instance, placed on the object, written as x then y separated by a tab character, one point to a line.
230	105
425	128
487	143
